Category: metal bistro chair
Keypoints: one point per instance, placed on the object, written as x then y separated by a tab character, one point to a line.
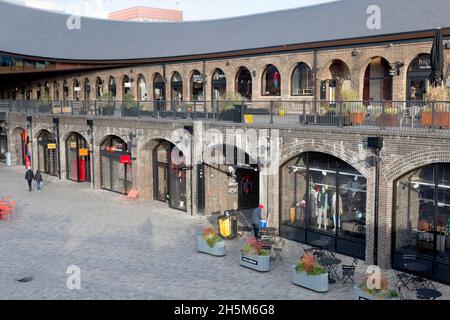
348	271
403	279
278	249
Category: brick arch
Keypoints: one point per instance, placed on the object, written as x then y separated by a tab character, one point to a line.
68	134
413	161
324	70
100	141
39	131
288	153
15	141
360	68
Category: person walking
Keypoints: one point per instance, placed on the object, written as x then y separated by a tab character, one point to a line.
29	176
38	179
256	219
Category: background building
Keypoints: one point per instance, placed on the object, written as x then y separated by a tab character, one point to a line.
147	14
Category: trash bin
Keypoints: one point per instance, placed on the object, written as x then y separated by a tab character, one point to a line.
8	159
228	226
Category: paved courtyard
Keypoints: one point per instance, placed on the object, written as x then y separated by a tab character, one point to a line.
126	250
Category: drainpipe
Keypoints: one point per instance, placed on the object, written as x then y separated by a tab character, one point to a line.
315	77
376	206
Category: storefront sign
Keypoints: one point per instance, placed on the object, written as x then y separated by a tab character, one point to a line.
51	146
83	152
232	186
250	261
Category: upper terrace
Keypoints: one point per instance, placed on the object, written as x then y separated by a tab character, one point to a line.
393	116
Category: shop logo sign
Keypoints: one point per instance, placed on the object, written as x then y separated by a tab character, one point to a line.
73	22
74	278
373	281
374	19
251	261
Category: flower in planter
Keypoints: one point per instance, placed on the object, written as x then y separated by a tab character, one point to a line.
254	247
378	289
309	265
210	236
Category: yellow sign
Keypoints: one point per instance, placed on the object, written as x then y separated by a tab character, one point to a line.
248	118
83	152
51	146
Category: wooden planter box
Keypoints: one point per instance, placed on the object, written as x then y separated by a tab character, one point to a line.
258	263
218	250
363	295
357	117
441	119
388	120
316	283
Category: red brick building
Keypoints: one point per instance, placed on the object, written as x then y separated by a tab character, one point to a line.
147	14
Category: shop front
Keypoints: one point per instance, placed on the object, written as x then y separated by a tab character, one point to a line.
47	153
3	137
421	221
324	198
77	159
20	148
169	176
115	165
418	83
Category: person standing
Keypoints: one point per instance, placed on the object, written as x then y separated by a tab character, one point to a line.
38	179
29	176
256	219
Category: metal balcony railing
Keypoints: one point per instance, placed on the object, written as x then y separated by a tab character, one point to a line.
426	116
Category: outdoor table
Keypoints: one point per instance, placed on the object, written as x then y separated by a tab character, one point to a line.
331	265
428	294
4	210
319	246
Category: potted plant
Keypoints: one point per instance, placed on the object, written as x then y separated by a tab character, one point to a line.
309	274
209	242
441	109
388	118
106	105
371	290
356	110
253	256
129	105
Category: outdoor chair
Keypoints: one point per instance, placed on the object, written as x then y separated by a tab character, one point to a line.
278	249
308	251
403	279
348	271
5	212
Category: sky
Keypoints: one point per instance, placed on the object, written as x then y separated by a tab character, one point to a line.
193	9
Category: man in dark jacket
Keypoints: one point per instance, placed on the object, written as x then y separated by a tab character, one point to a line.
256	220
29	176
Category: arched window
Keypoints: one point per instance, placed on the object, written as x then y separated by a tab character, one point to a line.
177	87
219	85
323	197
46	92
377	81
159	88
271	81
244	83
419	72
339	80
126	86
197	86
76	90
98	88
47	153
77	158
302	80
87	90
422	221
114	165
65	91
112	88
169	176
56	90
38	91
142	89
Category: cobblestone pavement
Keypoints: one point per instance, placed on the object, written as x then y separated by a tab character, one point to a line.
133	250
